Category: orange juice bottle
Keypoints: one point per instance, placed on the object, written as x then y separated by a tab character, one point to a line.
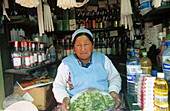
146	64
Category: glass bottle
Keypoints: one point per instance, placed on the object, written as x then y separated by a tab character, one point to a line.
35	54
39	54
31	54
26	56
16	57
43	53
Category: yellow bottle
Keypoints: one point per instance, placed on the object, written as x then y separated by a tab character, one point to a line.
146	64
161	94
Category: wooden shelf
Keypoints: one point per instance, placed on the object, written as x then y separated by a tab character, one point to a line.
27	71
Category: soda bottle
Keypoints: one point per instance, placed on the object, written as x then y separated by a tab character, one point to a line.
161	93
146	64
166	61
133	64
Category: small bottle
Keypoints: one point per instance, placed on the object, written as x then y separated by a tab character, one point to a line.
35	54
26	56
31	54
161	93
43	53
146	64
39	54
16	57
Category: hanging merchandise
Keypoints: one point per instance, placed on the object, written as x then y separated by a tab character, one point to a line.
28	3
126	18
40	19
48	22
67	4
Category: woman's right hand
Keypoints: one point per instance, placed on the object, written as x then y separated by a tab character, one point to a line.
66	104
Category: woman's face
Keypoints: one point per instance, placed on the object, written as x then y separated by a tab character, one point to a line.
83	48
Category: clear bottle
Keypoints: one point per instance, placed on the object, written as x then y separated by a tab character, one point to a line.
35	54
146	64
16	57
161	94
31	54
166	62
43	53
133	64
138	74
39	54
26	56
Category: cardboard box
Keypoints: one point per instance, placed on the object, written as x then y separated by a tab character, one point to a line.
41	97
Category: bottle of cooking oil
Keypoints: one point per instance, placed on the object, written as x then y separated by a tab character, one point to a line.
161	93
146	64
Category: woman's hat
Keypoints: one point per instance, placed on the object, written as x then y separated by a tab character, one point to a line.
81	30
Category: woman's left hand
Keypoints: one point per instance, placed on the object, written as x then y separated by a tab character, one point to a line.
116	97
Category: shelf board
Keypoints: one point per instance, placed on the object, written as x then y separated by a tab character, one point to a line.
157	13
26	71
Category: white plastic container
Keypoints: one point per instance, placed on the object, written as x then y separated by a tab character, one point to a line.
13	34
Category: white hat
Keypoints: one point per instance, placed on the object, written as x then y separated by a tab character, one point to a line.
81	30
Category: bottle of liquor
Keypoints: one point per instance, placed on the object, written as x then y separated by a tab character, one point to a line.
78	20
43	53
39	54
31	54
93	19
26	56
59	22
35	54
16	57
22	57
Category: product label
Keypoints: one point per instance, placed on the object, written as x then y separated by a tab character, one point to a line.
161	100
166	63
27	61
146	70
17	61
109	51
39	58
145	5
131	72
32	59
43	56
35	57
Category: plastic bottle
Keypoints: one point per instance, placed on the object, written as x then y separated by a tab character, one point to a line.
52	53
139	72
133	64
161	93
166	61
13	34
146	64
159	56
21	34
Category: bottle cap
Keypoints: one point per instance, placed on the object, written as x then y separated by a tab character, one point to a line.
154	72
168	43
132	52
160	75
144	53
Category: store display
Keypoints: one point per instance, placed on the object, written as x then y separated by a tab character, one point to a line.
161	93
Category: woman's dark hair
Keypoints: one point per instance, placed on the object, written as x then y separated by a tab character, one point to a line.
86	34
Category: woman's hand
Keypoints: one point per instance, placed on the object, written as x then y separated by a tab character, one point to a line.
116	97
66	104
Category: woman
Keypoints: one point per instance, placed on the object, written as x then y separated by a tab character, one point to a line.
85	69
